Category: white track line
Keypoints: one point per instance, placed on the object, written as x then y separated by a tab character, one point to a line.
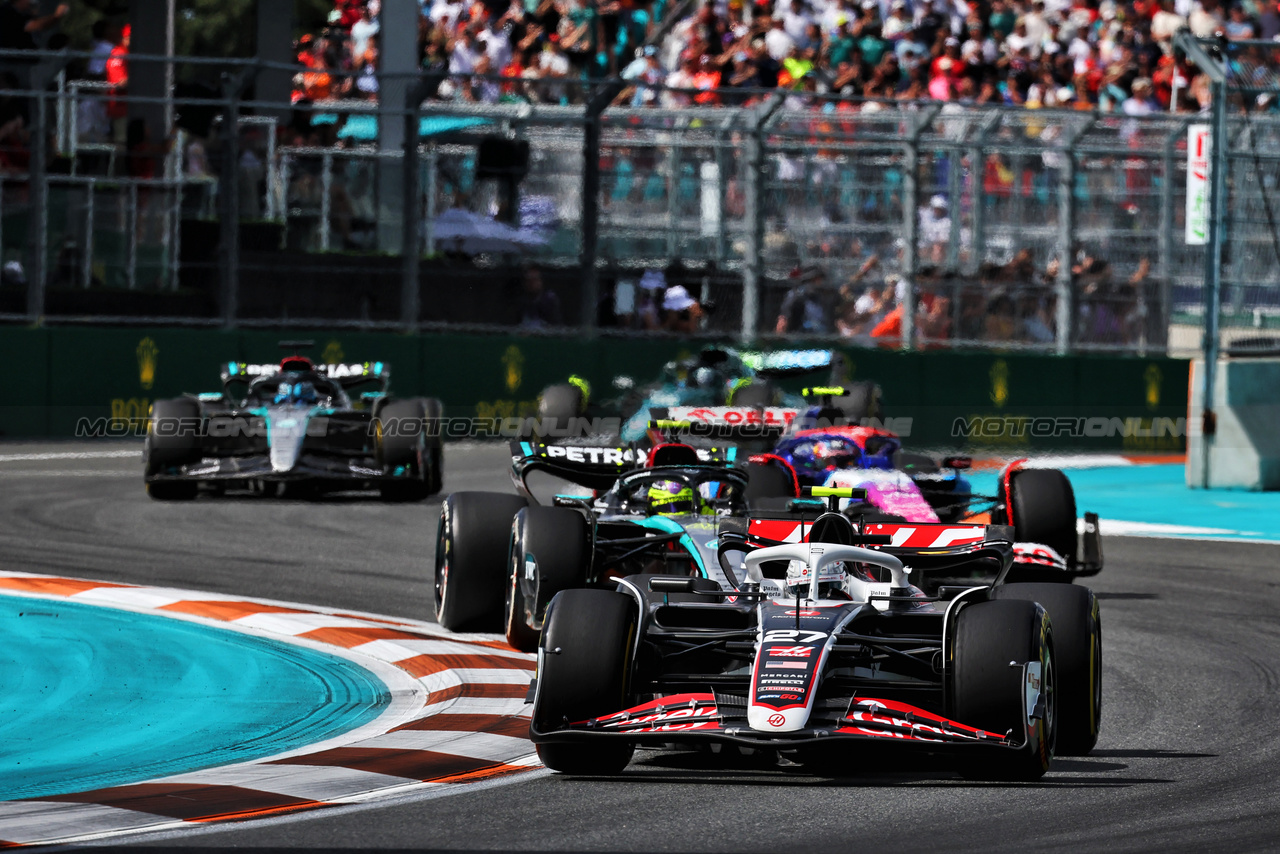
71	455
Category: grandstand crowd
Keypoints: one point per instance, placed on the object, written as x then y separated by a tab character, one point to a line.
1080	54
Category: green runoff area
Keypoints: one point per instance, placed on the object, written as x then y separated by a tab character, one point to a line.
61	378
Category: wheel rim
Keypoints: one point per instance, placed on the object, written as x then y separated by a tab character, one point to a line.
510	602
442	562
1050	702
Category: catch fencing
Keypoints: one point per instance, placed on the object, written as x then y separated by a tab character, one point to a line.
781	213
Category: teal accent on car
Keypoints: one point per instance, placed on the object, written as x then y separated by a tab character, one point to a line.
667	525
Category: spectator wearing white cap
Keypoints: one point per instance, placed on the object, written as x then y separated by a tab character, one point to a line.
681	312
935	230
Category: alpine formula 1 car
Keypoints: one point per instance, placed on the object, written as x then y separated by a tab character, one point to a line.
819	445
714	377
295	428
886	637
500	558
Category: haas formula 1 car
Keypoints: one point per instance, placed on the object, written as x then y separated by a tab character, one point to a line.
932	638
294	427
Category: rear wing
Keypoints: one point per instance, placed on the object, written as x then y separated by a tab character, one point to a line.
593	466
724	422
793	363
345	374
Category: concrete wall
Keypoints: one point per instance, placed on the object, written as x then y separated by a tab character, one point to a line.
1244	453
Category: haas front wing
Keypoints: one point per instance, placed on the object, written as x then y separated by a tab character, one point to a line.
783	709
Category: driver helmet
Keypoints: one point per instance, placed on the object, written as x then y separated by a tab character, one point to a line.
671	498
830	580
833	453
299	392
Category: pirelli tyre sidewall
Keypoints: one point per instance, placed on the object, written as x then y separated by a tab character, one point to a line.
173	440
173	434
994	641
471	559
584	671
402	449
1044	510
1077	648
550	551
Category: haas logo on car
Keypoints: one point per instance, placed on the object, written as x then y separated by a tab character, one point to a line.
776	720
789	651
806	613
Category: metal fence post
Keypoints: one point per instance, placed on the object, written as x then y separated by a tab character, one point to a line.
86	248
955	190
131	223
1064	314
411	237
326	203
229	198
39	170
911	223
753	195
1164	261
600	100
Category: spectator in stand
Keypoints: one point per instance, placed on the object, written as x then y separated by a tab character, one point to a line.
363	32
19	23
680	312
538	307
802	308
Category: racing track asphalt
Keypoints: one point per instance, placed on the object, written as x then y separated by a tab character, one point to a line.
1187	761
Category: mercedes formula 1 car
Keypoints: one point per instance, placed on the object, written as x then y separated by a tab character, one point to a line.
295	428
501	558
714	377
932	638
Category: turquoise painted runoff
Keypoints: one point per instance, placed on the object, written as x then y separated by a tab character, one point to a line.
92	697
1158	494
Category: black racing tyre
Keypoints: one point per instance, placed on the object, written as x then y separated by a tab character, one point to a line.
755	394
173	439
173	434
471	559
584	671
434	457
1044	510
991	642
558	406
402	443
553	544
1077	648
768	481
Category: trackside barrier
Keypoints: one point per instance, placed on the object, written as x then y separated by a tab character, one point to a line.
64	378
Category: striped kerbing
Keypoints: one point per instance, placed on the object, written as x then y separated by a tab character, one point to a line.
458	715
